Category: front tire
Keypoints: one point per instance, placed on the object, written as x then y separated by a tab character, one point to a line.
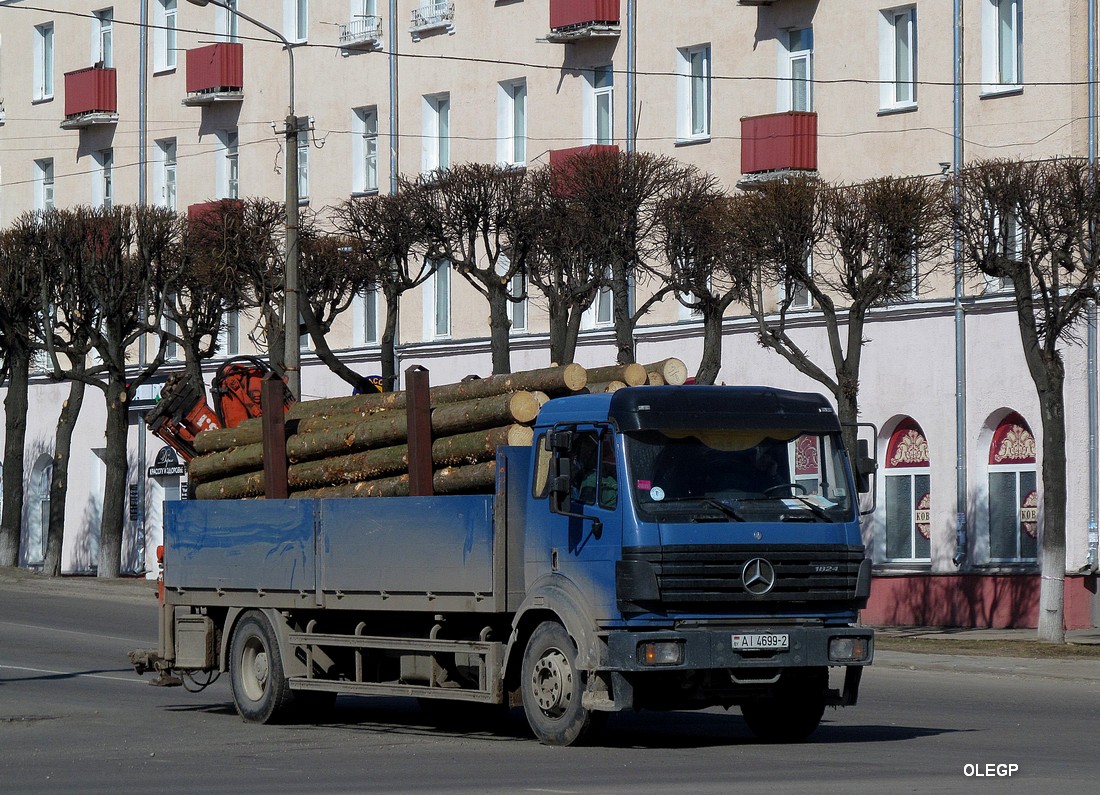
552	687
261	692
793	714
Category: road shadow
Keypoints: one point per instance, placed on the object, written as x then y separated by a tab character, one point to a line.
632	730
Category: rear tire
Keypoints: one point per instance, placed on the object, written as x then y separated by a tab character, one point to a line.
552	687
261	692
793	714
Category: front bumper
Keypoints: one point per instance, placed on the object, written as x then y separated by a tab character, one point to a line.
712	647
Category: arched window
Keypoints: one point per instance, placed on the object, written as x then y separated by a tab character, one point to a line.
38	510
1013	494
908	495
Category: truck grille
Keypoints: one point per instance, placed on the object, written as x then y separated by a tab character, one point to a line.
710	578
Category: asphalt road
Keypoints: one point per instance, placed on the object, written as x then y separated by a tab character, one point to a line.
75	718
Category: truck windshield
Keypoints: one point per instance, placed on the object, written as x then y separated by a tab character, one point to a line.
772	475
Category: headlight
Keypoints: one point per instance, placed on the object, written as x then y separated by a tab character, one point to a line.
849	649
661	652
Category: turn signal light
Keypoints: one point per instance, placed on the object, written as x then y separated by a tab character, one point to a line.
849	649
160	553
661	652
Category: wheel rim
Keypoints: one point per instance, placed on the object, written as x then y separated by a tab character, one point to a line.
552	683
254	669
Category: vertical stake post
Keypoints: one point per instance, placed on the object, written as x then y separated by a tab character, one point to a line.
419	419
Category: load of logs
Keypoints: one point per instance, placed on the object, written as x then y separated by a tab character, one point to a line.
358	446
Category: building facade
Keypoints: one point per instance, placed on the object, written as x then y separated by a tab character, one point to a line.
168	103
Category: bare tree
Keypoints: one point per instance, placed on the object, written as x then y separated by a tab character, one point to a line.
1036	224
616	196
852	249
20	304
558	264
700	260
206	286
472	215
114	288
332	274
243	239
389	244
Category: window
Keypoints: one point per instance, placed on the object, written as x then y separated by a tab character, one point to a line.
228	21
171	329
105	160
600	107
164	35
512	123
908	495
796	68
43	61
105	49
229	337
594	479
366	317
437	132
1002	45
44	199
437	313
604	307
167	178
517	310
801	297
898	58
296	13
1008	244
693	98
229	173
366	150
1013	493
303	165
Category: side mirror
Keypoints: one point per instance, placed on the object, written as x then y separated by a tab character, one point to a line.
866	466
559	484
559	440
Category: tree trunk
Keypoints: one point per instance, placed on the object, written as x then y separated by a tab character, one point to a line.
59	485
559	329
389	342
624	325
499	327
15	409
711	360
1052	556
114	487
325	354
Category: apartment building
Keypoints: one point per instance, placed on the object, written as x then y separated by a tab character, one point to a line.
177	103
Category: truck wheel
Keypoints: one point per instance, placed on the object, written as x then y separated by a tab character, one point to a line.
261	692
552	686
792	714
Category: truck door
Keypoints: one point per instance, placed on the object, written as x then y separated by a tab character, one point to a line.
589	541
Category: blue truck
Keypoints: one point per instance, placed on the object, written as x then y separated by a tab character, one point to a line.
655	548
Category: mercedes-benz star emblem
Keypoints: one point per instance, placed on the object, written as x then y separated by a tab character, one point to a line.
758	576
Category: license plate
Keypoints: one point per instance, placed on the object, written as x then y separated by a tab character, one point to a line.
769	640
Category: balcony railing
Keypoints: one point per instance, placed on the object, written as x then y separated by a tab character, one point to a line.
580	19
430	17
565	163
91	97
361	33
215	73
778	143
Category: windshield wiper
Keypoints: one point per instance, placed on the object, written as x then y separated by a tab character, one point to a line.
728	510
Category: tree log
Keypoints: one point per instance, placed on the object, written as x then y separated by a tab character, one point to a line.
629	374
465	448
605	386
351	433
449	480
672	370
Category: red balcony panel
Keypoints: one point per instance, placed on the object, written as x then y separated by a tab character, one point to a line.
91	91
779	141
215	67
214	209
569	13
558	157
